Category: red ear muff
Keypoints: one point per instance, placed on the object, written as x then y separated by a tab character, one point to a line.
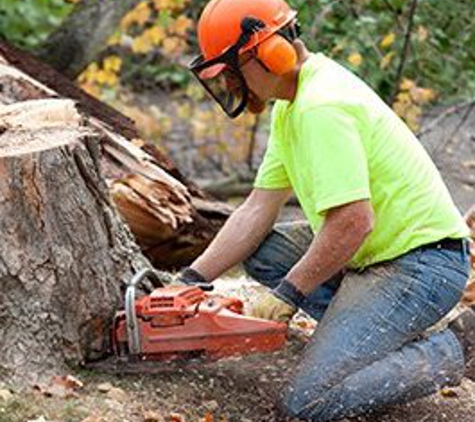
277	54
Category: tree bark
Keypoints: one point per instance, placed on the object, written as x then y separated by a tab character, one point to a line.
83	35
65	253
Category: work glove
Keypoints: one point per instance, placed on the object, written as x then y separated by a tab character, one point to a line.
191	277
280	304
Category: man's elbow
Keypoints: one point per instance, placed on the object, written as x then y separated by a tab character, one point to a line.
356	219
367	227
364	222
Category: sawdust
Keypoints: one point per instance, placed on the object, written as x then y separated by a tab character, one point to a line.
20	141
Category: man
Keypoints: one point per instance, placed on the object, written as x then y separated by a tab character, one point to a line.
386	256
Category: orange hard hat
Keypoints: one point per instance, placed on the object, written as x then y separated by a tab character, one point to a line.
219	26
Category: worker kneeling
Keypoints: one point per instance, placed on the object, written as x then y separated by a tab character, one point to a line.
384	255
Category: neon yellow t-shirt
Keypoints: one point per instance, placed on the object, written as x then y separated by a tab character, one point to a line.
337	143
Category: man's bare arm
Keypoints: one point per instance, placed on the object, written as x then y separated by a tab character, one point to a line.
343	232
242	233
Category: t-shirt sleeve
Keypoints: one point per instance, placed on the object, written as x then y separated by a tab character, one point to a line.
272	173
333	157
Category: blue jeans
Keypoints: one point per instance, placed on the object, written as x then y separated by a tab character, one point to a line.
370	348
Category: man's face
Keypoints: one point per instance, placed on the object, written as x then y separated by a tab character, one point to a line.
257	80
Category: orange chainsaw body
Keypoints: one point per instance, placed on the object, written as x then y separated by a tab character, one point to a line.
181	321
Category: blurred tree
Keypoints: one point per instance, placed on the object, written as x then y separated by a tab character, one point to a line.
412	52
83	34
27	23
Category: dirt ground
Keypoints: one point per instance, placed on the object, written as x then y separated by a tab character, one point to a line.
233	391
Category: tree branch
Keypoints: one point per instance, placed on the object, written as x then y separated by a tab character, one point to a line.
459	125
405	49
393	10
447	113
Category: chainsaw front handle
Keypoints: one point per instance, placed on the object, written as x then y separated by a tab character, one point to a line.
206	287
133	334
131	322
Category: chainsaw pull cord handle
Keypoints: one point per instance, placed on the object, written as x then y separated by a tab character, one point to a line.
131	322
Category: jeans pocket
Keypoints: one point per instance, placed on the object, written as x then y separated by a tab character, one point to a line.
445	259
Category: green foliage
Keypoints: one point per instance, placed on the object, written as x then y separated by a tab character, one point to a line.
27	23
442	46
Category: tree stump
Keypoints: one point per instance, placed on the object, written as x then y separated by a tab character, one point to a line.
170	217
65	253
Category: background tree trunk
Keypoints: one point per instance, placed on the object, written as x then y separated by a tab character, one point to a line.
83	35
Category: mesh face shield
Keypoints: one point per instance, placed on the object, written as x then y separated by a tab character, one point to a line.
224	81
222	76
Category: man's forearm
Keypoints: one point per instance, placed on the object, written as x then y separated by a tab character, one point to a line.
342	234
239	237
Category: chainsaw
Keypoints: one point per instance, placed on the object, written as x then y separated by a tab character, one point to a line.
185	322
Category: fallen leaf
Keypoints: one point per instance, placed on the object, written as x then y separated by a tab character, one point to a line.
176	417
448	392
5	395
105	387
151	416
62	386
68	381
209	417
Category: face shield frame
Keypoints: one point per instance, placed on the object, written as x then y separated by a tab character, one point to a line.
227	66
227	69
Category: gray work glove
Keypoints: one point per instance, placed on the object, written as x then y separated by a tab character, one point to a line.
190	277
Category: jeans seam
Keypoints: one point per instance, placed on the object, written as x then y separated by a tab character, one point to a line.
390	313
426	306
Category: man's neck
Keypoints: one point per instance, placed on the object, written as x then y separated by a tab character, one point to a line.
288	86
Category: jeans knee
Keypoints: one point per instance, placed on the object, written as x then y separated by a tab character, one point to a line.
261	271
310	403
295	403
